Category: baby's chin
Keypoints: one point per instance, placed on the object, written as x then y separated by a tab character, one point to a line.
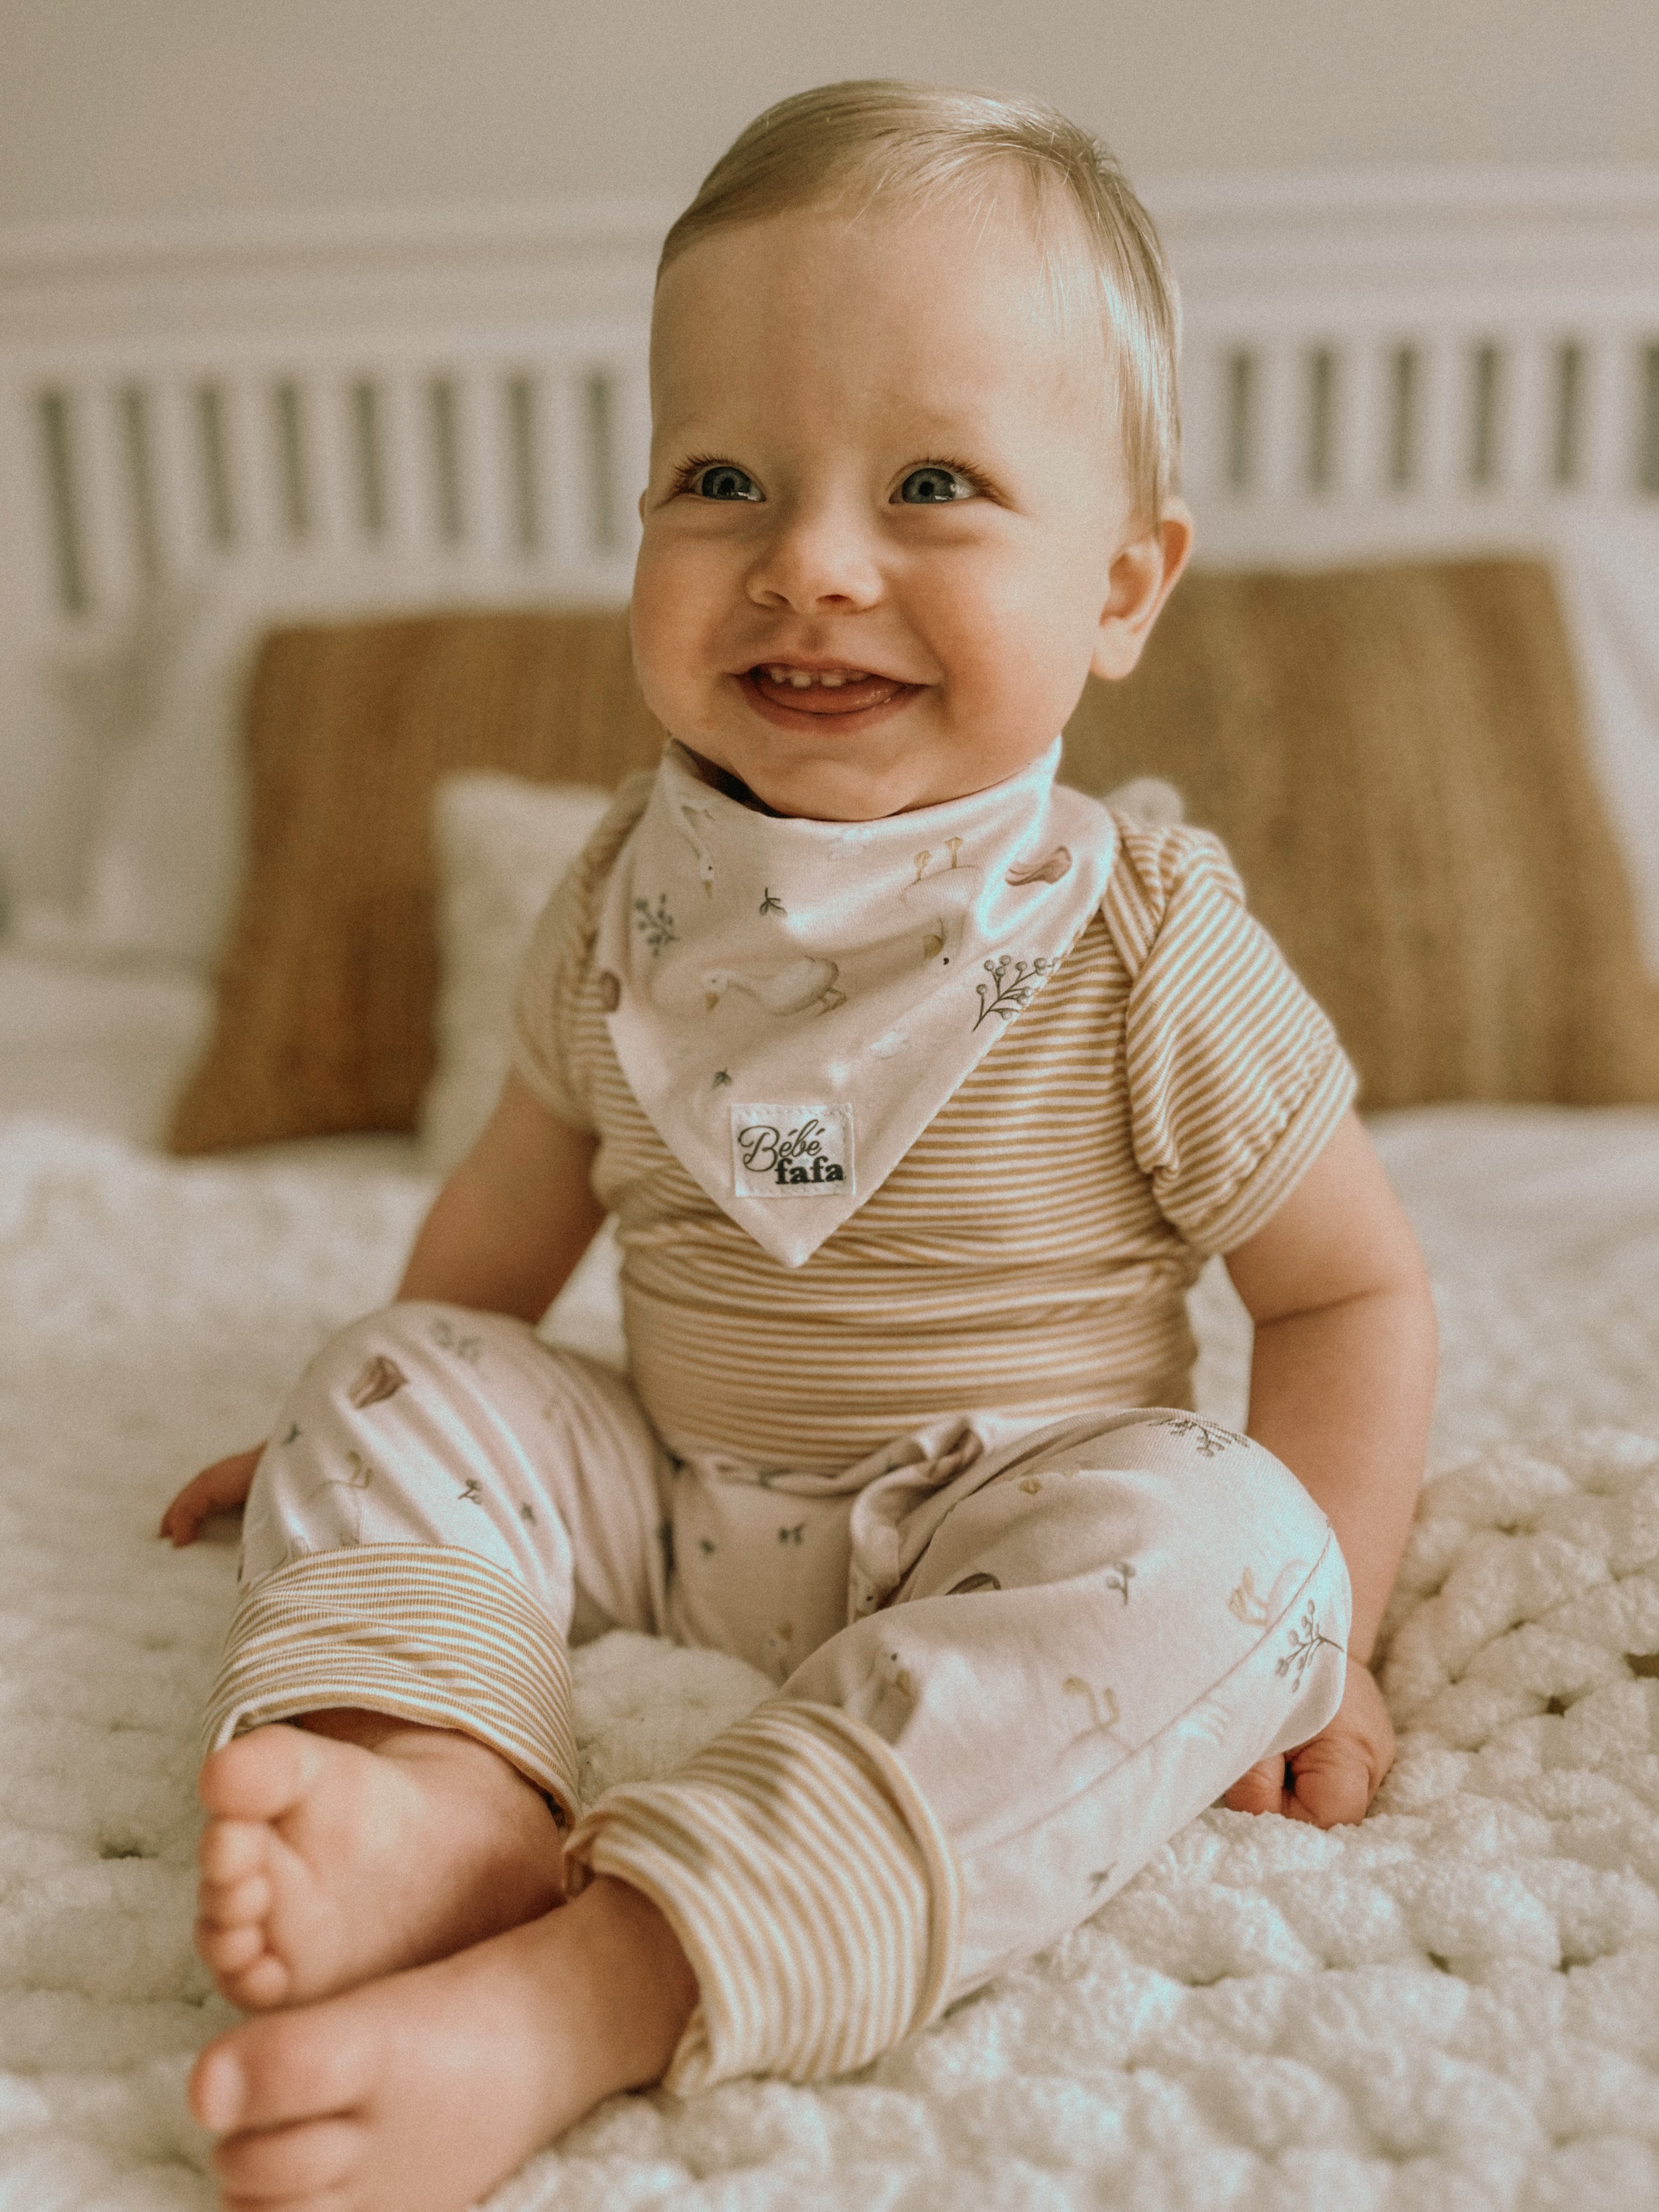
803	793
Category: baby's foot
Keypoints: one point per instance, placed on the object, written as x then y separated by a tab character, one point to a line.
418	2093
327	1862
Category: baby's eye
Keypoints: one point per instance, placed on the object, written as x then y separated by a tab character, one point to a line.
934	486
722	481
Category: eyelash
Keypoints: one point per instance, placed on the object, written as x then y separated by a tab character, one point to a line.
957	469
689	470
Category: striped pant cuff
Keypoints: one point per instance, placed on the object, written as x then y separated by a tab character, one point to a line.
809	1884
429	1633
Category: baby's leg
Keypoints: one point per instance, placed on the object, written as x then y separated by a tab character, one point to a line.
1090	1649
1101	1626
412	1571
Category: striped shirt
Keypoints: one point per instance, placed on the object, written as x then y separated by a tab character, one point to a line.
1031	1253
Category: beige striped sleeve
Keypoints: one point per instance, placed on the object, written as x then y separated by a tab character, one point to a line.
813	1892
554	966
1235	1076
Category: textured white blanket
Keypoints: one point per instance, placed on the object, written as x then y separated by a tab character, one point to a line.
1454	2005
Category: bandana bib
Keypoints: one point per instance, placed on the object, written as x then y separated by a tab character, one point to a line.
791	1002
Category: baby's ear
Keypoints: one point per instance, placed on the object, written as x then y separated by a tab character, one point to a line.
1142	575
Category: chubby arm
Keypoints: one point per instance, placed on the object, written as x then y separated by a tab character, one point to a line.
1342	1389
506	1230
503	1235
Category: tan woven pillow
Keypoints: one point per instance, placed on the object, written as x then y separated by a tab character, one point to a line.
1393	757
324	1019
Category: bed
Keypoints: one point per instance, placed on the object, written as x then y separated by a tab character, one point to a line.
206	432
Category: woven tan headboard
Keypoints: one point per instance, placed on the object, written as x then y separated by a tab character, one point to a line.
1395	759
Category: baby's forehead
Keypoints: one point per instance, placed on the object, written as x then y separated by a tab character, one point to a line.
995	236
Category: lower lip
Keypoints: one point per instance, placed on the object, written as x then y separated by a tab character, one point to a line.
831	712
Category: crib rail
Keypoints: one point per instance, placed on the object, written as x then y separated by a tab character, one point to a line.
519	465
516	463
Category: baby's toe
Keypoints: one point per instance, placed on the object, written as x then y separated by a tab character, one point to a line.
230	1850
265	1986
229	1950
271	2073
233	1903
300	2163
260	1775
1260	1789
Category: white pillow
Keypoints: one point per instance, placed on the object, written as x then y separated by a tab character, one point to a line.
502	845
1608	573
154	701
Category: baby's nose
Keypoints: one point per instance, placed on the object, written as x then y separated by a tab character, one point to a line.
816	561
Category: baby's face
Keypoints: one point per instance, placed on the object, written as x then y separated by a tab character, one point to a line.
885	509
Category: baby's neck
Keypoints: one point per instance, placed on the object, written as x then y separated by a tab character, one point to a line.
729	786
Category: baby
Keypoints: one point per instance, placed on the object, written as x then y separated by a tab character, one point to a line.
920	1088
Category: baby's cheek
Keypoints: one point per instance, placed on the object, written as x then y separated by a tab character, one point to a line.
665	628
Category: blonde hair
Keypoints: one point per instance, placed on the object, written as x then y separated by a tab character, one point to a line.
890	137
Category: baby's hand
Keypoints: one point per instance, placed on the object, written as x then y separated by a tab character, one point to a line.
1334	1778
216	1489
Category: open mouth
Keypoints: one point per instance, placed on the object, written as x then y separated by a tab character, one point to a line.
821	691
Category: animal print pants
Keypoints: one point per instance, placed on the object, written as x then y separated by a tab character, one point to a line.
1011	1659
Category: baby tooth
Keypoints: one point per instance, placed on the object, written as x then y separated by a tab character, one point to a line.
801	678
830	681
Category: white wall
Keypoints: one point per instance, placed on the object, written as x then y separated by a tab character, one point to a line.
125	107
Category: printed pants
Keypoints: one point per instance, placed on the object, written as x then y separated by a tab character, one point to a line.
1012	1659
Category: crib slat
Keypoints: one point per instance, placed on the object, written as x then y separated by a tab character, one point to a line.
1605	400
1486	394
1322	418
1530	421
113	575
484	463
523	437
1441	471
326	397
254	468
133	405
1363	437
31	587
1199	390
173	450
406	464
633	453
561	462
1278	465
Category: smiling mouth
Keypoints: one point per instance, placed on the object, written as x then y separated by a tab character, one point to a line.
819	691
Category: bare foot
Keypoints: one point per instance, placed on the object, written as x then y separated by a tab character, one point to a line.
328	1861
419	2093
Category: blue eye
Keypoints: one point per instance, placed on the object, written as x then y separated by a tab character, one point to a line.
934	486
723	482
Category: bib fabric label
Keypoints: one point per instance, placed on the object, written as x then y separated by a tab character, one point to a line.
794	1150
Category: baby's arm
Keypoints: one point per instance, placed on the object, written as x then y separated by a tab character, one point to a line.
506	1230
1342	1389
502	1236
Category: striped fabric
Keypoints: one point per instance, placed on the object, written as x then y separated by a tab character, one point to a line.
1031	1253
428	1632
807	1882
